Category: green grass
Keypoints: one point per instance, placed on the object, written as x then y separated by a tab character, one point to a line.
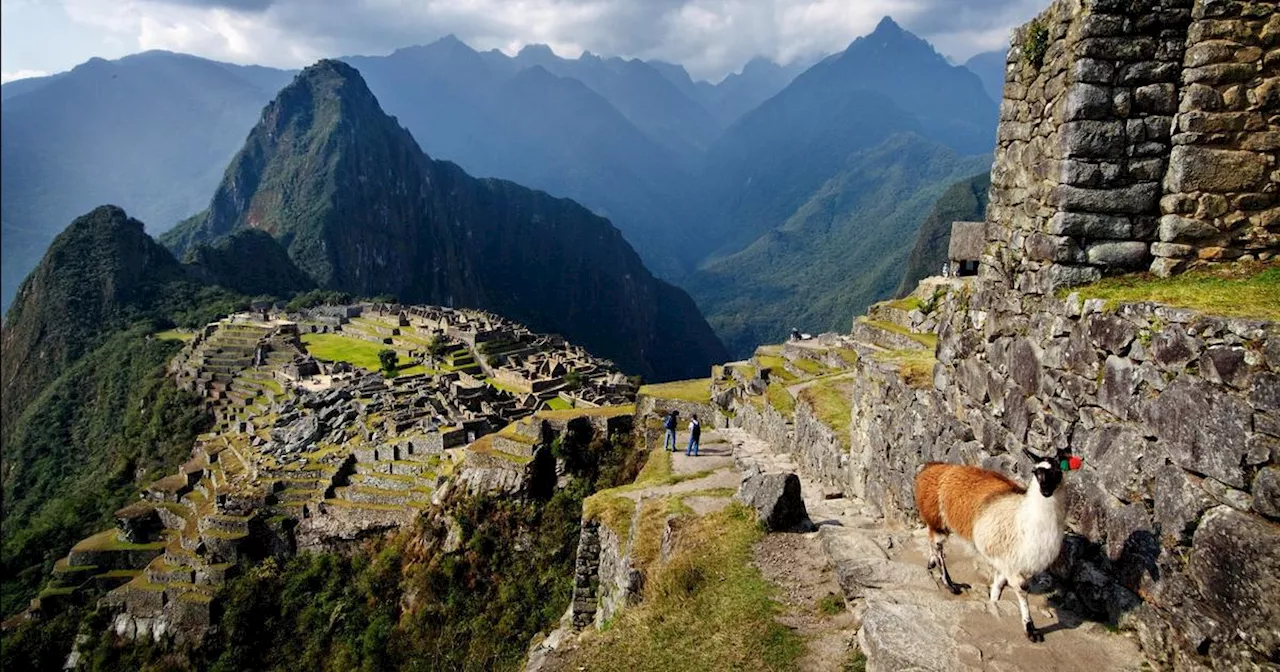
777	367
831	604
611	510
915	366
780	399
601	412
811	367
929	341
849	355
175	335
831	404
1249	290
907	304
697	391
108	541
355	351
657	468
558	404
707	608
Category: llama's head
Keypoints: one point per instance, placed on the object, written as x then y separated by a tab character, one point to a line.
1049	471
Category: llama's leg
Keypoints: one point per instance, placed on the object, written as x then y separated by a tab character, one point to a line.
935	545
997	585
939	557
1033	634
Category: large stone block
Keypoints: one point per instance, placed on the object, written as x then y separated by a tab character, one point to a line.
1222	170
1175	229
776	499
1093	139
1088	101
1090	225
1136	199
1235	562
1119	254
1202	428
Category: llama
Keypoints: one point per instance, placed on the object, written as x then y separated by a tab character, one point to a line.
1017	530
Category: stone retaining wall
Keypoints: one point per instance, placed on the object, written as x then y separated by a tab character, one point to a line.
1173	517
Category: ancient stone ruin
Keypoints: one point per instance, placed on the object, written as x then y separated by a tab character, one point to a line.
313	455
1136	135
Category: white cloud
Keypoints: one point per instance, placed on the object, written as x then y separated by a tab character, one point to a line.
7	76
711	37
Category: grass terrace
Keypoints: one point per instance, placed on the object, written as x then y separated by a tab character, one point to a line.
175	335
777	366
1247	290
780	399
907	304
355	351
929	341
613	511
601	412
707	608
915	366
697	391
558	404
830	402
108	540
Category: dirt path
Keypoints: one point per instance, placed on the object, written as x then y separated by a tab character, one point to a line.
810	597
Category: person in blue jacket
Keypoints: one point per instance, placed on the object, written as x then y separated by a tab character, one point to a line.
672	419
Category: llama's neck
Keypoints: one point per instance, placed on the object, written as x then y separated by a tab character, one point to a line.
1040	528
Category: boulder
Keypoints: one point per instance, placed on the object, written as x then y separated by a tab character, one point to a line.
1235	562
776	499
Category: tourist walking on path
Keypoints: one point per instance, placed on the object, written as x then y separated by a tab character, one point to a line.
695	433
670	443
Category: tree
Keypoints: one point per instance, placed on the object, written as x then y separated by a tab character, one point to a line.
573	380
439	343
389	359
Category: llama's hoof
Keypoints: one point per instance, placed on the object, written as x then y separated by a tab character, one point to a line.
932	564
1034	633
957	588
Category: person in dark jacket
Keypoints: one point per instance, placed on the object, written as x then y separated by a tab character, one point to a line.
695	434
672	419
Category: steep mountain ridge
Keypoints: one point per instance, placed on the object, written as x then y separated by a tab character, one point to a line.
840	250
964	201
360	208
102	273
151	132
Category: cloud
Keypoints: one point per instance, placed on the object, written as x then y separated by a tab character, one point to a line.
710	37
6	76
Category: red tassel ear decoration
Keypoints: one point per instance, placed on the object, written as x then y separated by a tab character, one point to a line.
1074	463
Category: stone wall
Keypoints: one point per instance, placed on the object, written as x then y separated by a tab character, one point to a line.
1086	146
1173	516
1221	199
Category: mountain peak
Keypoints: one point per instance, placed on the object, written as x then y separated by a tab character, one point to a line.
887	26
536	50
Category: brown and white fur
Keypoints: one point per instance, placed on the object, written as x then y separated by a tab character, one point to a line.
1017	530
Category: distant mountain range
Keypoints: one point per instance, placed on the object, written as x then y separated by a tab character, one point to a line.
693	174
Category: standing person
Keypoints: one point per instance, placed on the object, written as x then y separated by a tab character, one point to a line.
695	433
672	418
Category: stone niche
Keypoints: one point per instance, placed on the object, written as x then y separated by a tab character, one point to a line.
1135	135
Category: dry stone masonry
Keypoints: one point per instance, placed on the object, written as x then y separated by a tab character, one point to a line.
1135	135
309	455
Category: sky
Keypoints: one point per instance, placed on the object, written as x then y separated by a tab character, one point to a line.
711	38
